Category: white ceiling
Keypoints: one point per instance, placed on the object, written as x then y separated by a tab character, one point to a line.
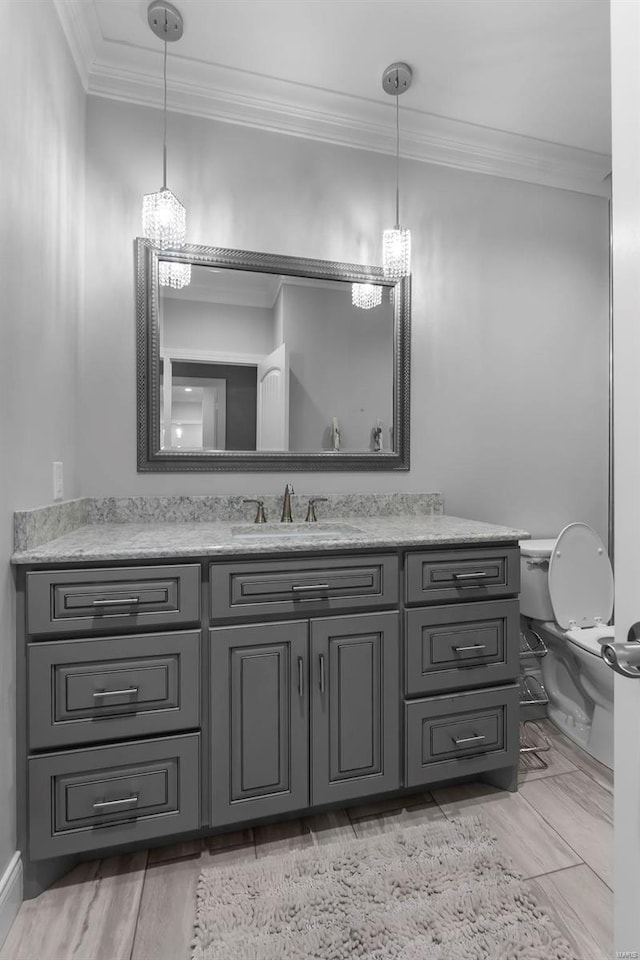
228	286
517	88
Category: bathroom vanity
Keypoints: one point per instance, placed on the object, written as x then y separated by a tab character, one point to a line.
183	678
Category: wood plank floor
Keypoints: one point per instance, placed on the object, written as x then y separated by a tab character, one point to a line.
557	830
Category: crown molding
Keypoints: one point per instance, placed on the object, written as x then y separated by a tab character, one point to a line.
82	35
132	74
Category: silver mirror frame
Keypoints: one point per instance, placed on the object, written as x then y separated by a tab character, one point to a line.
153	459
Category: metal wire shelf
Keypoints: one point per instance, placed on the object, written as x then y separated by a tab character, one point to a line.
532	691
531	748
532	645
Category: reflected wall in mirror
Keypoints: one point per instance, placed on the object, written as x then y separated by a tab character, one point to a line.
275	354
263	363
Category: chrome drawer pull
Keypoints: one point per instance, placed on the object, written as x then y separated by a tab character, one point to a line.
116	693
459	741
298	588
103	806
471	576
111	603
473	646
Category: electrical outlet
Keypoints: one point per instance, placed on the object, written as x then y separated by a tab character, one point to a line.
58	483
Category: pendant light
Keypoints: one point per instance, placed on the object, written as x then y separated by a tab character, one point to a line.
164	218
396	243
366	295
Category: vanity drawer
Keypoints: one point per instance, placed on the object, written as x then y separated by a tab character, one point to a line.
452	736
462	645
100	601
88	799
83	691
261	588
462	574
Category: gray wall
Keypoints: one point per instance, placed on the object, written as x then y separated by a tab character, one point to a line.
340	362
42	105
510	308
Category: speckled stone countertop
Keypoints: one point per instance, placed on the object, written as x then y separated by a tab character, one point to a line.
98	542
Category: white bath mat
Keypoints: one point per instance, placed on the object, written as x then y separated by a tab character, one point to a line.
439	891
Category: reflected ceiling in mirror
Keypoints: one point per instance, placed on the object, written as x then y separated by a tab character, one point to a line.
264	363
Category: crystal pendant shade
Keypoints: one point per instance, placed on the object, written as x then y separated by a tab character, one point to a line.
396	253
176	275
366	295
164	219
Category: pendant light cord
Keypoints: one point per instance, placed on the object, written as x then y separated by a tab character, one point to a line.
164	112
397	154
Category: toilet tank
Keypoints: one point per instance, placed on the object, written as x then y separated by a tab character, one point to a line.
535	601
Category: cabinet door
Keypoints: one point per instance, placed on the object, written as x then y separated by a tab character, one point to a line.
355	712
260	720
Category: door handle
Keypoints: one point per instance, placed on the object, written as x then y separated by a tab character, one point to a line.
300	676
321	664
624	658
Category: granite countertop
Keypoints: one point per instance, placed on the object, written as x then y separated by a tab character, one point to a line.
97	542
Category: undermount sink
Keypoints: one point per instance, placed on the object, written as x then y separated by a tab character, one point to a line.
291	531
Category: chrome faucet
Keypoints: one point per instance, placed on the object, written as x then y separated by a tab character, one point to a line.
286	504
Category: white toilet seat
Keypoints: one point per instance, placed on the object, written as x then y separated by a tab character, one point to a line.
580	579
591	639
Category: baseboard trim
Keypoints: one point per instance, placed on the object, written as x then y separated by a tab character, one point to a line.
10	895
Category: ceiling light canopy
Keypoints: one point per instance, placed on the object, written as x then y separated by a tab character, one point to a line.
164	219
396	243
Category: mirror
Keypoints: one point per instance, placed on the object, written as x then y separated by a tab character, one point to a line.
263	363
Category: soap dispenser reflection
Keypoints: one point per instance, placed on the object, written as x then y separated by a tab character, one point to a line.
376	435
335	434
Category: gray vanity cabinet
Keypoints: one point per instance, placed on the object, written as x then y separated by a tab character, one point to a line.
355	717
292	683
461	664
113	716
259	720
303	713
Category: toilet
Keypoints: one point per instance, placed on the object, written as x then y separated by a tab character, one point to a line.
567	593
